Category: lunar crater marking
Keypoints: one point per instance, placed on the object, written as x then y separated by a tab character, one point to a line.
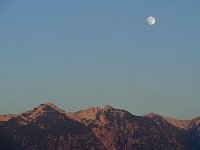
151	20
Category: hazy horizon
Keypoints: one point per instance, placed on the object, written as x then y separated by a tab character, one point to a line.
79	54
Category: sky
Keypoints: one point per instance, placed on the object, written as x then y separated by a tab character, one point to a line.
79	54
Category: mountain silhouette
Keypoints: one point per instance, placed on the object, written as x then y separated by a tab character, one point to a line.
47	127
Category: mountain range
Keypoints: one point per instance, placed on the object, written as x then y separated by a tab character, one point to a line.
47	127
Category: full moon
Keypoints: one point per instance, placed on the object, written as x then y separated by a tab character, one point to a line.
151	20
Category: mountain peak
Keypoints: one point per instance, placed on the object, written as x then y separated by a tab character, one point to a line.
152	115
48	104
43	109
90	113
185	124
7	117
108	107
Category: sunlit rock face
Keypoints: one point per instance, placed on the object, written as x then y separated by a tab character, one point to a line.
51	128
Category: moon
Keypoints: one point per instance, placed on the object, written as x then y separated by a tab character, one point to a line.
151	20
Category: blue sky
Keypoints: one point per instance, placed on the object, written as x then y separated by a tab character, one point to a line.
78	54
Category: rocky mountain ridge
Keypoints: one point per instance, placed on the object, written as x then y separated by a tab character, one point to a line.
49	127
184	124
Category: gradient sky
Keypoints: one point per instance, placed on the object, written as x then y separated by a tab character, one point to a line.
78	54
